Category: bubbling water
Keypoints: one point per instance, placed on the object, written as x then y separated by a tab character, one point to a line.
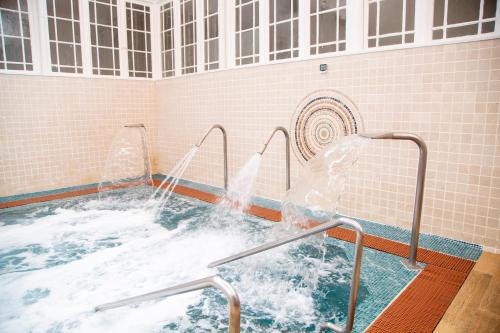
321	184
94	252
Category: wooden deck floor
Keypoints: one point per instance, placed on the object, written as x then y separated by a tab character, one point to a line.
476	308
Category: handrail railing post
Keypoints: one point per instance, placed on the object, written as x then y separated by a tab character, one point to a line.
224	146
287	151
309	232
419	193
212	281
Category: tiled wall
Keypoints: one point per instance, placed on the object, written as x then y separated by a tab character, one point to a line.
56	131
447	94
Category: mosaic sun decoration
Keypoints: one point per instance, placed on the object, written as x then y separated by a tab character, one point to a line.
321	118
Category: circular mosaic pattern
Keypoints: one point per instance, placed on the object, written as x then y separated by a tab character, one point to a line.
321	118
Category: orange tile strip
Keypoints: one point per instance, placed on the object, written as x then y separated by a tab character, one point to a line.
419	308
422	304
64	195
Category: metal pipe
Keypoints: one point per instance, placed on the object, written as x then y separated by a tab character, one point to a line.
318	229
208	282
134	125
419	193
287	143
224	145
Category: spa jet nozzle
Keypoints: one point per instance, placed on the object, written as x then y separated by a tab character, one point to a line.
135	126
224	147
287	143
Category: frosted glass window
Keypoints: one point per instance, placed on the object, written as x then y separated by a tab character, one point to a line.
328	22
455	18
139	40
167	39
104	37
283	29
15	39
211	23
64	36
391	22
247	32
188	36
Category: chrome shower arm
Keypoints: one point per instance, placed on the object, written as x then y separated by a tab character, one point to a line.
419	193
208	282
224	147
287	152
309	232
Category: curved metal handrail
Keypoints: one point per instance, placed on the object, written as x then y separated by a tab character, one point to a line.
224	145
208	282
309	232
411	262
287	143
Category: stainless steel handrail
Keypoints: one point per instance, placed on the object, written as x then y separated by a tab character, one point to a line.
208	282
419	193
224	146
287	143
318	229
145	151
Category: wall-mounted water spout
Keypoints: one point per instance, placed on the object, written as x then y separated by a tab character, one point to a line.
224	147
145	150
419	194
287	143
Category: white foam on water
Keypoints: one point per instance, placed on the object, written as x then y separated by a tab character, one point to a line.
276	284
149	262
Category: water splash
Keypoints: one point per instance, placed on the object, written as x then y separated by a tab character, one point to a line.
172	179
230	210
321	184
127	162
242	186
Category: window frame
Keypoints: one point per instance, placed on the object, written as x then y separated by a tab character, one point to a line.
23	63
445	25
356	36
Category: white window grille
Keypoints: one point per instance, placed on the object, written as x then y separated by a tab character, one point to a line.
283	29
188	37
64	36
103	17
455	18
391	22
328	26
15	39
167	39
247	32
139	40
212	38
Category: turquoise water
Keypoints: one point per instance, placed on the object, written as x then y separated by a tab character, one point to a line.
60	259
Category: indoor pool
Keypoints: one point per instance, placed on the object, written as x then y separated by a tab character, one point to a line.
60	259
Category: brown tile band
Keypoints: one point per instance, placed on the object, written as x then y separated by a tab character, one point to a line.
419	308
64	195
422	304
